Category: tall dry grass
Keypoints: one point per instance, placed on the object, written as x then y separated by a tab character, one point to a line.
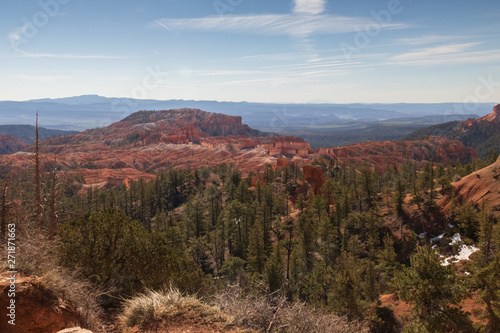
153	311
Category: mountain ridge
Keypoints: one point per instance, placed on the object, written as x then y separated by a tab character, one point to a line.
149	141
90	111
27	132
482	134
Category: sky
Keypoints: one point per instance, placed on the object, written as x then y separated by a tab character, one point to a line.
273	51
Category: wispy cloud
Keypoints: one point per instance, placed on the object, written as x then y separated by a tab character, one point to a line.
464	58
271	24
427	39
309	6
228	72
447	55
449	50
67	56
43	78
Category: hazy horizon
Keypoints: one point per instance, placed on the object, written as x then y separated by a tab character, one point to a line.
242	101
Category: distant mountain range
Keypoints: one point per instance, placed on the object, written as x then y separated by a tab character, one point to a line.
91	111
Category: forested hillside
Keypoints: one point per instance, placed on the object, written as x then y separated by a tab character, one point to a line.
336	236
482	134
27	132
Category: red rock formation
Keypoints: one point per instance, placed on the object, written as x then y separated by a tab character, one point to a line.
386	153
314	176
289	145
247	143
148	141
37	309
478	187
493	117
281	162
10	144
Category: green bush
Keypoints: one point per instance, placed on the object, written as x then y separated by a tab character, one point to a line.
111	249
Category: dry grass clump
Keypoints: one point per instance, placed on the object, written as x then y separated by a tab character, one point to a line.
276	315
36	257
154	309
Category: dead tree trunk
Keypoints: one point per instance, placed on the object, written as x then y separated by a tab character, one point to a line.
3	213
38	198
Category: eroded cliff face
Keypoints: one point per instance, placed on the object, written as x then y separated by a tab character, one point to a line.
314	176
478	187
147	141
377	153
493	118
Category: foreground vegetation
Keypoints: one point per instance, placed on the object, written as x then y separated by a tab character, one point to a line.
266	251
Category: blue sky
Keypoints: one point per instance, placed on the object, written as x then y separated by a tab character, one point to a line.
294	51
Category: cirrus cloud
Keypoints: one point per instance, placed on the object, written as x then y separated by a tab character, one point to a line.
273	24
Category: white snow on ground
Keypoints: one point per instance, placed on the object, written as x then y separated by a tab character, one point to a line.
464	251
455	239
422	235
437	238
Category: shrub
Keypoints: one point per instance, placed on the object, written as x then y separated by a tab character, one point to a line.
276	315
112	249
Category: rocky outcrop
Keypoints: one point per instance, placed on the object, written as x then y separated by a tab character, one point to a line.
289	145
377	153
314	176
479	187
36	308
148	141
482	134
493	117
211	124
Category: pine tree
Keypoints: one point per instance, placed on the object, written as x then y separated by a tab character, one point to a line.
307	239
346	288
274	270
434	292
488	269
399	194
319	284
256	249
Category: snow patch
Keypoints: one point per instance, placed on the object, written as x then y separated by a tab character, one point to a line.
435	239
455	238
464	251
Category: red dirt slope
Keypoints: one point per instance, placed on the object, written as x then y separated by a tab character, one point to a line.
37	309
479	186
